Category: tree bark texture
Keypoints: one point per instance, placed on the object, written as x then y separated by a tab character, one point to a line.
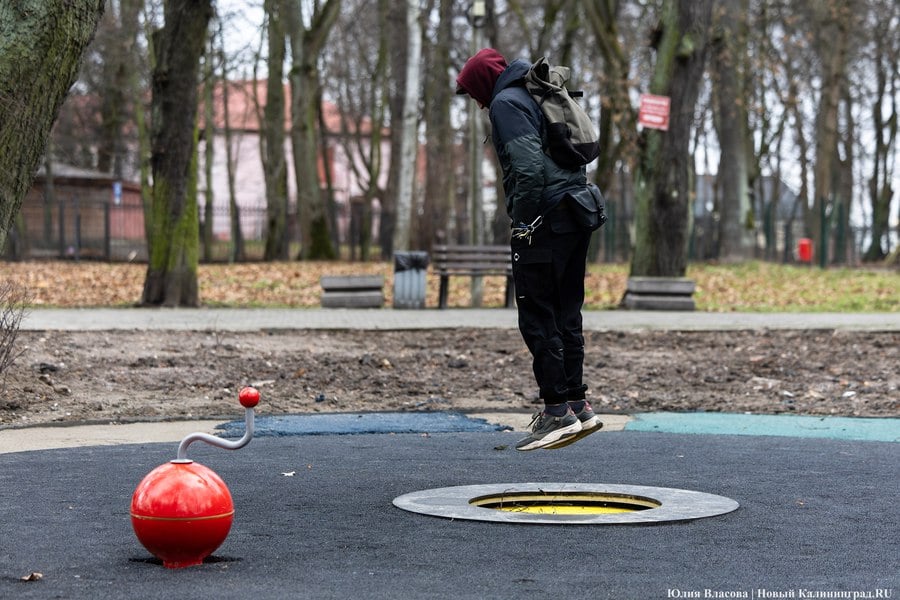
41	46
174	243
735	211
662	181
209	140
885	121
409	130
378	99
439	182
273	138
236	248
834	28
618	118
397	31
117	38
306	45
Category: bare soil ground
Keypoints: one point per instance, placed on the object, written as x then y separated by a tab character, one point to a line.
64	377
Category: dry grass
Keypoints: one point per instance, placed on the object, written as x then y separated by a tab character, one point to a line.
753	286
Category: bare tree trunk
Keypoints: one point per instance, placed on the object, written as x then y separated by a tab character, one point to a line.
273	138
174	244
327	154
118	46
845	161
736	213
141	111
439	182
662	180
409	128
803	154
362	99
32	88
397	52
209	137
306	45
378	100
834	25
236	250
618	119
884	160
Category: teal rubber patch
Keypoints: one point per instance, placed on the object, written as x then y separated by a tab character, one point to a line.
838	428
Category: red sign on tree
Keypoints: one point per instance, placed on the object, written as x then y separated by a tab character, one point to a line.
654	112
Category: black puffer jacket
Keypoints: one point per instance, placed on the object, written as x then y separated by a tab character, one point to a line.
533	183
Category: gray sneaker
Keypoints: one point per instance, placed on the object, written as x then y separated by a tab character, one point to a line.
590	423
547	429
588	419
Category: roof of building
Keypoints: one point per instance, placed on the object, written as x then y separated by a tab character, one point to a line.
247	99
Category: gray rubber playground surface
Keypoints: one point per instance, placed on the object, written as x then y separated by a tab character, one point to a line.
315	520
818	514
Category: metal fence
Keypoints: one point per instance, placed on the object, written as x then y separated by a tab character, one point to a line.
72	228
76	229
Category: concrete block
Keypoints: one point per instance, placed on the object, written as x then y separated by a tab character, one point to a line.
352	291
657	302
659	293
677	286
351	282
363	299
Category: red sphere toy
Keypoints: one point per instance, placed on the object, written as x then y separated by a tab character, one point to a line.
182	511
249	397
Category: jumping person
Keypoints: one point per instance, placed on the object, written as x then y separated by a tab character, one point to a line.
549	252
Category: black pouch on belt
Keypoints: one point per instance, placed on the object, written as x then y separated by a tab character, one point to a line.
586	206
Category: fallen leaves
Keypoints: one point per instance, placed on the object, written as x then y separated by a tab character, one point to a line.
753	286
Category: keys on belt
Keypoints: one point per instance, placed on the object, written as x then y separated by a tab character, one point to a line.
524	232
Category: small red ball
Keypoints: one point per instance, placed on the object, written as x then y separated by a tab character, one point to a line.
181	512
249	397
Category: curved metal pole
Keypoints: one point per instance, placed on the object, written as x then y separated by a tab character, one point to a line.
217	441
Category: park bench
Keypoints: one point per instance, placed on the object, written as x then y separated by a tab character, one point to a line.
472	261
352	291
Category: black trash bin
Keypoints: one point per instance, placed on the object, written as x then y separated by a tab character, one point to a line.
410	269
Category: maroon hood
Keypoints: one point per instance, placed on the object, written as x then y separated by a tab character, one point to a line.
479	75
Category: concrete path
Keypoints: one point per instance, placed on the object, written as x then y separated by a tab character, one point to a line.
251	319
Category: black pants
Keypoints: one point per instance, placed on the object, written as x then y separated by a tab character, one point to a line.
549	282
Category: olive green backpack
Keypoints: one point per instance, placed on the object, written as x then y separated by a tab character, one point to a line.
569	136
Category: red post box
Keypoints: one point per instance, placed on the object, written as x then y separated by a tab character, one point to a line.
804	250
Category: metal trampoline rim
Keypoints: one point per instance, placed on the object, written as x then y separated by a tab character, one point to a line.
675	504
